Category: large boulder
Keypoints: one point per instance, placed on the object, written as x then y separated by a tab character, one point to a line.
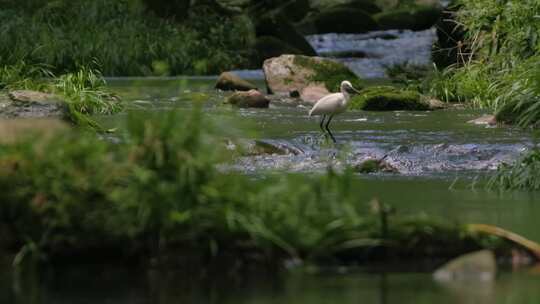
387	98
249	99
269	47
414	18
228	81
339	20
277	26
31	104
309	77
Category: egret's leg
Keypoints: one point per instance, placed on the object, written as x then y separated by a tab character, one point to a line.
322	123
328	129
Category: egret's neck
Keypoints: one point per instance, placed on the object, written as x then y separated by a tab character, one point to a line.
346	96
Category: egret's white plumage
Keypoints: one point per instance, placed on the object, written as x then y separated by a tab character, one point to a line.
333	104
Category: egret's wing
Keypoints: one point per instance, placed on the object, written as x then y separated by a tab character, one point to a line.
327	105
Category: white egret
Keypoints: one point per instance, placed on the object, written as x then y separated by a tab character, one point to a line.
333	104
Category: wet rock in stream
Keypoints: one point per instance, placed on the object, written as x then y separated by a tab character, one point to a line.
229	81
249	99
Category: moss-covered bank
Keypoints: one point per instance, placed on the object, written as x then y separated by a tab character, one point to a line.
387	98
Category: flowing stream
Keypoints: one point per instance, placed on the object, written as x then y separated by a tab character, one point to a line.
442	161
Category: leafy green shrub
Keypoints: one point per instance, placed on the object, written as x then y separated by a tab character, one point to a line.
523	174
503	39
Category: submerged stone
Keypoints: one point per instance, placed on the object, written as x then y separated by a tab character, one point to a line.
479	265
228	81
387	98
249	99
484	120
274	147
375	166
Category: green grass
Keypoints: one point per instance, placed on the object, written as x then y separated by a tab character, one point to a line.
523	174
84	92
502	73
123	36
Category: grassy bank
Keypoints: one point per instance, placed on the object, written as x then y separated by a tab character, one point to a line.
83	92
123	36
499	71
502	70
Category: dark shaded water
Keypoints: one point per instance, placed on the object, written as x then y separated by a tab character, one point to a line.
128	287
440	157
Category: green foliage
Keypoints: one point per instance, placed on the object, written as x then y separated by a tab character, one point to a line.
21	75
86	91
469	84
407	74
502	74
519	94
159	187
524	174
122	36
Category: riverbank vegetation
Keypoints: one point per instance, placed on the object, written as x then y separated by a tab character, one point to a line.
83	92
498	68
499	63
126	37
159	192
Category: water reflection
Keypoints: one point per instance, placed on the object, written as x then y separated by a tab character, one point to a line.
89	286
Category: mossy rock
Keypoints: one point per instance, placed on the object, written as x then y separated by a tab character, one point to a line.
277	26
412	18
342	20
329	72
249	99
268	47
387	98
307	77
